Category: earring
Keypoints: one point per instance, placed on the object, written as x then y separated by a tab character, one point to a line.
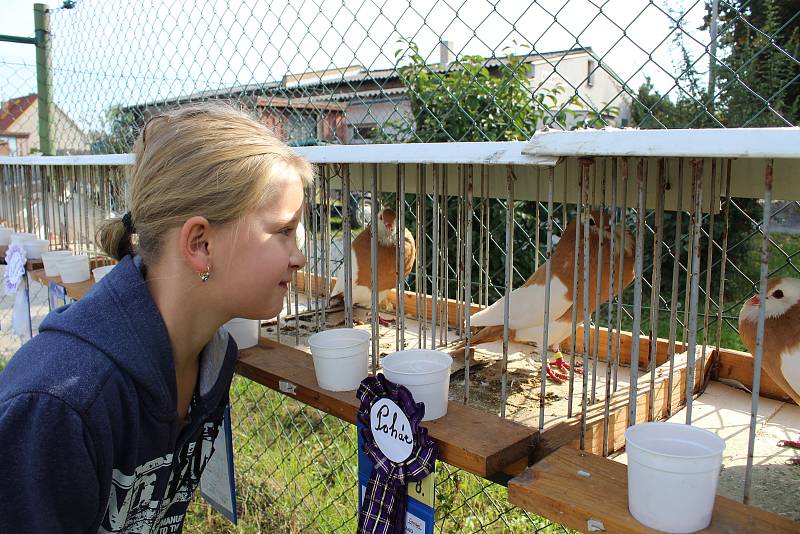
205	275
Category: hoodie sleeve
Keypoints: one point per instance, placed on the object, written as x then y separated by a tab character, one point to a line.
47	465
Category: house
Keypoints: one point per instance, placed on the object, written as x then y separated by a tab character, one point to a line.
345	105
377	99
19	129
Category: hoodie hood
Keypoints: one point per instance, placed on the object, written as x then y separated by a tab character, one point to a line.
119	317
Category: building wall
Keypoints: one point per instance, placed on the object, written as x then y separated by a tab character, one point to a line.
572	74
69	139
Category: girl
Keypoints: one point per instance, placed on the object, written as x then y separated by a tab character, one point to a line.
108	416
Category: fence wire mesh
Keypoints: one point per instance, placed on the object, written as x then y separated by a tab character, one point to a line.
420	71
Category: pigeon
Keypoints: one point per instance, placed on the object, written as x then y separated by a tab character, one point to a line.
361	263
781	355
781	350
526	309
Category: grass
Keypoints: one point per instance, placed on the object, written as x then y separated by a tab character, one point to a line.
296	471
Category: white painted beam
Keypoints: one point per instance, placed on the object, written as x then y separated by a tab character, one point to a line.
710	143
499	153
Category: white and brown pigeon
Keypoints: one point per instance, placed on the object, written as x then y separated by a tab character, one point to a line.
781	350
361	263
526	309
781	354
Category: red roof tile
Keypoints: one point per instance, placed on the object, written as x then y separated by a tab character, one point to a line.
14	108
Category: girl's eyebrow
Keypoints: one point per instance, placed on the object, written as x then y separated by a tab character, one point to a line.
294	219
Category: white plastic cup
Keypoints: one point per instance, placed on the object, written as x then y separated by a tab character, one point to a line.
426	374
74	269
5	236
101	271
244	331
340	358
50	260
35	247
673	470
19	238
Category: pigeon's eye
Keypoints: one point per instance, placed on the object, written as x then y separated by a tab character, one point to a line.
778	294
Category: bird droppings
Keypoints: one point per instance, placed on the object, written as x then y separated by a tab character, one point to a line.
583	474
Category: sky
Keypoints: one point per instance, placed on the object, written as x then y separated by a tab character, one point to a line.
130	51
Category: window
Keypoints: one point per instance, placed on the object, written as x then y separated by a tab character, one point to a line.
591	65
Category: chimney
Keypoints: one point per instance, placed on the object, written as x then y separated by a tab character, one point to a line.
445	53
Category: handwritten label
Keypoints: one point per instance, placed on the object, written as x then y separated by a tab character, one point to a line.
422	490
391	430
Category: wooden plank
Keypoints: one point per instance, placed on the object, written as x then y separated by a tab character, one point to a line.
74	291
470	439
739	366
552	488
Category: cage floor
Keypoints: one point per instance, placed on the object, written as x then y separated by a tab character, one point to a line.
725	411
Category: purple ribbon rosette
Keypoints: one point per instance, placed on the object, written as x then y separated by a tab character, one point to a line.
15	268
383	509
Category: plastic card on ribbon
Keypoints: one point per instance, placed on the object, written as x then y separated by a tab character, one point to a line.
420	502
56	295
217	485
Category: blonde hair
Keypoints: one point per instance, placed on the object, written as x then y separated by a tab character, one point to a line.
209	160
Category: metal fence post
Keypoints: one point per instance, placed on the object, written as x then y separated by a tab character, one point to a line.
44	79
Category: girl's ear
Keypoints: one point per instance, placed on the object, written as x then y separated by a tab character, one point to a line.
193	243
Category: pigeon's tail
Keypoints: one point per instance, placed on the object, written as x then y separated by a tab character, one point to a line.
484	335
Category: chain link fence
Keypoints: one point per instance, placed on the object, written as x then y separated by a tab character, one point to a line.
375	71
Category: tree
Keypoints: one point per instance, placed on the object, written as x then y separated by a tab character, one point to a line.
475	99
760	45
120	128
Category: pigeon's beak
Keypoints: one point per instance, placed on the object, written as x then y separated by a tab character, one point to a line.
754	301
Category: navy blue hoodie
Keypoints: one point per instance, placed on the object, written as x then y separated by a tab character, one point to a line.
89	434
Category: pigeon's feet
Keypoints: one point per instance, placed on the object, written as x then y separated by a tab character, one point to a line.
554	373
558	371
384	322
564	366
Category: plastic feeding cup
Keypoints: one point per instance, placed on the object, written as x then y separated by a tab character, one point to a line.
50	260
5	236
74	269
35	247
340	358
101	271
426	374
244	331
673	471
